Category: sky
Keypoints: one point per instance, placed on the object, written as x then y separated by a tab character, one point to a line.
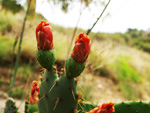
118	17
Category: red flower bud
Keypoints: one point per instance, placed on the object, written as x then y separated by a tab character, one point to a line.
33	99
82	48
104	108
44	36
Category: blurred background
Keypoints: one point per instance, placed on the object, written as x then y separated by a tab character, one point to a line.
118	67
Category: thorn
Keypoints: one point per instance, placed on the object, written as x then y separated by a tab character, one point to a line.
80	106
48	59
43	81
122	102
129	104
82	89
68	65
39	55
76	65
53	86
73	93
56	103
137	111
42	97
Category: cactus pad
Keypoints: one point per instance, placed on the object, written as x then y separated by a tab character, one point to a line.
46	58
73	68
10	107
132	107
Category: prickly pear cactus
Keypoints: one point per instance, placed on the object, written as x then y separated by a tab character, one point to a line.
59	95
10	107
132	107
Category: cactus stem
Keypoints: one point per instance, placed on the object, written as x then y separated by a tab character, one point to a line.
53	86
56	103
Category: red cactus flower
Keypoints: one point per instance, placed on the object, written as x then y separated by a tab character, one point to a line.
33	99
44	36
104	108
82	48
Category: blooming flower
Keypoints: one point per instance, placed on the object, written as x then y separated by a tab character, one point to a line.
104	108
44	36
82	48
33	99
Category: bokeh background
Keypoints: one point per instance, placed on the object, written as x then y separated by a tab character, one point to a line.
118	67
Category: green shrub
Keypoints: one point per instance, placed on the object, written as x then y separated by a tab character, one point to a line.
17	92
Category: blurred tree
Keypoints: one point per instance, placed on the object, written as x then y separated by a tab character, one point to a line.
11	5
134	33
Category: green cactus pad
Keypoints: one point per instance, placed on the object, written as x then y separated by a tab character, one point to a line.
46	58
73	68
47	82
132	107
62	98
10	107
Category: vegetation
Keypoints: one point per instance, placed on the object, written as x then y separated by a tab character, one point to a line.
121	59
